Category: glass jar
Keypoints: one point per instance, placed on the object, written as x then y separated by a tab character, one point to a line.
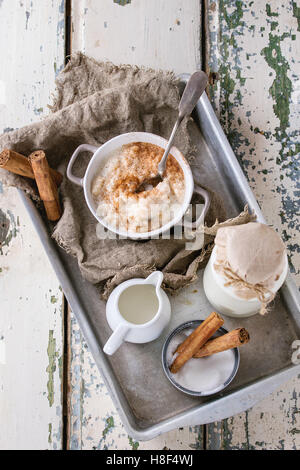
224	299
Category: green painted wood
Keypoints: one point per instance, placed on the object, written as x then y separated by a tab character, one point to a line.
252	52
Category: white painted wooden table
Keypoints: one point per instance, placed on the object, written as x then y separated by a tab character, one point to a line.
51	394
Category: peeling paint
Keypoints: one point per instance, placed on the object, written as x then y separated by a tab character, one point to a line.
8	229
2	350
62	7
296	13
27	13
281	87
53	299
51	368
50	433
122	2
4	228
133	444
109	424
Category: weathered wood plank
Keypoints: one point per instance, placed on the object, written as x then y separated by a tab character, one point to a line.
157	34
272	424
31	320
252	54
161	35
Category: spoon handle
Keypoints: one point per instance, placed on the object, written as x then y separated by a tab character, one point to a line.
192	92
163	162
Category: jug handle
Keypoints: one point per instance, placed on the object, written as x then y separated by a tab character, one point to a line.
116	339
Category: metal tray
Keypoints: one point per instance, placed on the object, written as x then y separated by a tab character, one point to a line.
147	403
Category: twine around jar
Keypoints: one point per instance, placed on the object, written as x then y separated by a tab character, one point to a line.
258	290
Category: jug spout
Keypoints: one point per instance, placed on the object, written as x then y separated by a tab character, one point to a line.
155	278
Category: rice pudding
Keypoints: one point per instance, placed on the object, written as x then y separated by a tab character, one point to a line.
114	189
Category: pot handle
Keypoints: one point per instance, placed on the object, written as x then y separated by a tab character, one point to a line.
81	148
200	220
116	339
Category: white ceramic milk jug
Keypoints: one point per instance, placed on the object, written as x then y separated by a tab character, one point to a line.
137	311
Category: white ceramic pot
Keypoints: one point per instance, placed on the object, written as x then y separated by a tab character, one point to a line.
224	299
101	153
124	330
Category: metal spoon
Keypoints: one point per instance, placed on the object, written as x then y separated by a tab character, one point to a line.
192	92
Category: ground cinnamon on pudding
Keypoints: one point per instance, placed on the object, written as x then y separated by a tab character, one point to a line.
114	188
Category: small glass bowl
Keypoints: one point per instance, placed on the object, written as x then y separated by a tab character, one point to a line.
192	325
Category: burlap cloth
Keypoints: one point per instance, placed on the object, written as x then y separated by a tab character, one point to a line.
95	102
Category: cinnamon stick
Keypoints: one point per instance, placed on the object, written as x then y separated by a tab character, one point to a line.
46	185
190	338
20	165
233	339
198	338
